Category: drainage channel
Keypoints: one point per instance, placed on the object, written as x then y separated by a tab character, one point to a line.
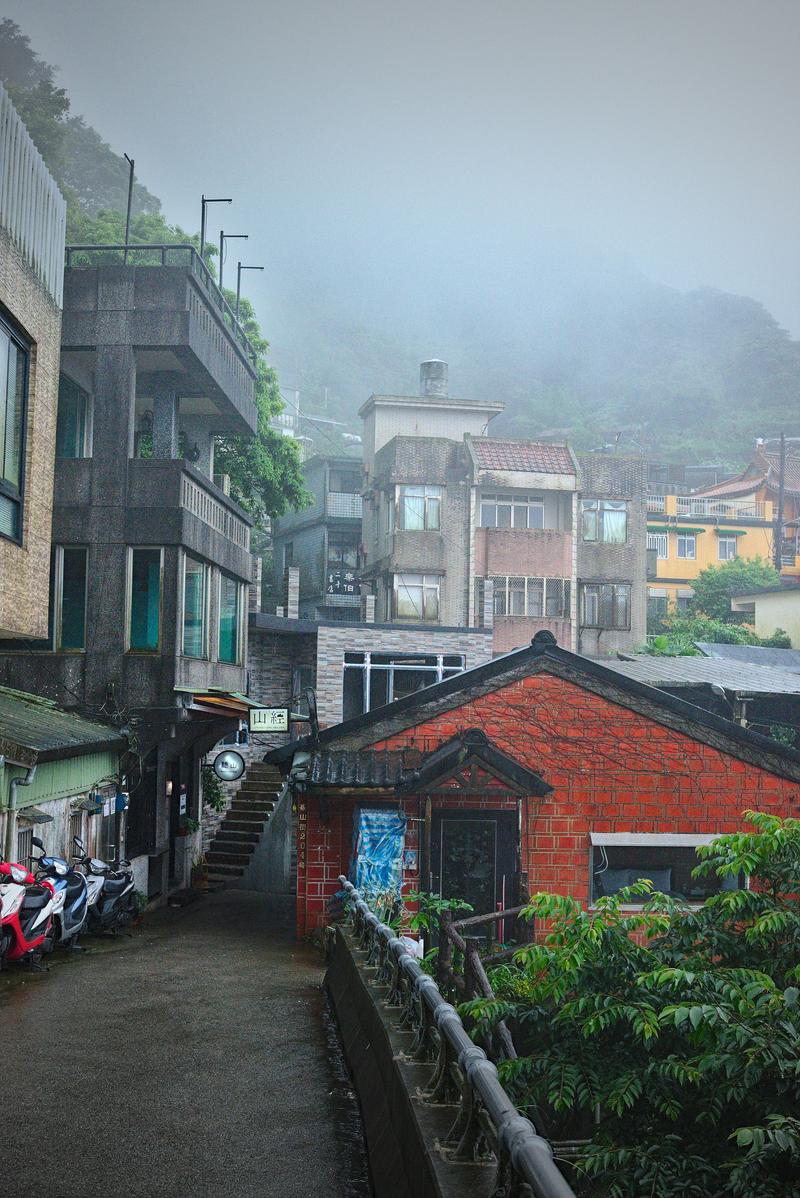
346	1113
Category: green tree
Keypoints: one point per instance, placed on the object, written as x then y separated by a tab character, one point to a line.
670	1036
715	585
676	635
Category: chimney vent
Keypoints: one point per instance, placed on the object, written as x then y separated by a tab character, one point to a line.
433	378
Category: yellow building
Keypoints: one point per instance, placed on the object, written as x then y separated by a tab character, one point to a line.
688	533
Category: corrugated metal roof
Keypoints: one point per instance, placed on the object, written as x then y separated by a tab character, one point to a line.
531	456
706	671
754	655
361	768
44	731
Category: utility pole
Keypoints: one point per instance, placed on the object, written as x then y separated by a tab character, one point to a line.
778	547
239	269
203	204
223	237
128	214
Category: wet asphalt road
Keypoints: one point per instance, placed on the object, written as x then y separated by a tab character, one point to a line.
187	1061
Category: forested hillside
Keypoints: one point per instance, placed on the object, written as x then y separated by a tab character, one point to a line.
576	345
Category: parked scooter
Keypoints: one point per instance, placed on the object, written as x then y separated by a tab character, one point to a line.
111	897
26	909
71	902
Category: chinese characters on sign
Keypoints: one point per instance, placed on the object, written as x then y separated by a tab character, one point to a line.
342	582
302	828
269	719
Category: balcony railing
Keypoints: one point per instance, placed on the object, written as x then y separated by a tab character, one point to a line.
343	504
656	503
207	508
167	255
687	506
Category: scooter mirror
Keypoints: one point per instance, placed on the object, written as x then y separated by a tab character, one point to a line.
37	843
76	840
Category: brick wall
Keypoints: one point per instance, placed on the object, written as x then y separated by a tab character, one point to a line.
25	569
612	769
272	657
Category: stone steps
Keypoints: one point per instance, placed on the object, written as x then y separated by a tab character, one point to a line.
240	830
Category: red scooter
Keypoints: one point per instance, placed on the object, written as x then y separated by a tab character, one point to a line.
26	910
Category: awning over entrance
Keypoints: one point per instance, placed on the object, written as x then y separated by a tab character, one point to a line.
218	702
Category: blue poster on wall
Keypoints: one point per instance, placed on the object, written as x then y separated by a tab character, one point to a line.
378	838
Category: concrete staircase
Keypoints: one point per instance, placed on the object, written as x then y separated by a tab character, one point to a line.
240	831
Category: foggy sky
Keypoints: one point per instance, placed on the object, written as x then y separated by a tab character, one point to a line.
428	146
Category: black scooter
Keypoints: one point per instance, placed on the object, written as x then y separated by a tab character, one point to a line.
112	896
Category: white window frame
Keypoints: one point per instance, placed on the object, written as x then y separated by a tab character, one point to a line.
561	586
185	557
660	542
686	537
130	549
532	503
679	840
426	494
729	540
598	507
367	666
427	582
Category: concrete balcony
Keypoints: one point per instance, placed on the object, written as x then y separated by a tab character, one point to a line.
163	302
523	552
164	502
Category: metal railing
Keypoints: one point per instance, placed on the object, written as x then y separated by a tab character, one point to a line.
487	1121
686	506
166	255
656	503
343	504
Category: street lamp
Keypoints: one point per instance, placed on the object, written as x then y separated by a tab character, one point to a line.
203	203
223	237
239	269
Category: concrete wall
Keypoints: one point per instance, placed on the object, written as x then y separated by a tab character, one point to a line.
780	610
607	476
25	567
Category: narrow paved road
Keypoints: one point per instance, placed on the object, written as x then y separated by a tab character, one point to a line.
188	1061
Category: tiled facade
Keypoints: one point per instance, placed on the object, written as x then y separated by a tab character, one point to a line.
25	567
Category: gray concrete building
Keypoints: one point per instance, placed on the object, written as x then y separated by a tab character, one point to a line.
151	560
323	541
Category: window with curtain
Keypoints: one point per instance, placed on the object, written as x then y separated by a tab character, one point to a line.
416	597
228	648
72	428
145	600
687	545
195	576
13	392
606	605
418	508
605	520
70	596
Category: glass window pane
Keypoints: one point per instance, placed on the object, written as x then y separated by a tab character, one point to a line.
555	597
145	598
488	515
516	596
536	515
194	608
5	345
535	593
668	868
412	510
72	634
408	596
615	525
228	619
14	402
431	611
434	505
520	516
622	605
504	515
589	521
71	426
500	596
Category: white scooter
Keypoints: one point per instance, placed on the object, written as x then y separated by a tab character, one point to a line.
111	893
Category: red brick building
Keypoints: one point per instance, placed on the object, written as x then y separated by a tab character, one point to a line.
541	770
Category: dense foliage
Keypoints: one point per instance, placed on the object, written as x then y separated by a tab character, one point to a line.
675	635
668	1037
714	586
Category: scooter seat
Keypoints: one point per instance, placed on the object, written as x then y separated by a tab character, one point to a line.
75	885
36	897
114	886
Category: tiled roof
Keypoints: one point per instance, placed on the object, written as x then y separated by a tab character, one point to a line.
708	671
791	473
47	732
371	769
732	486
532	456
754	655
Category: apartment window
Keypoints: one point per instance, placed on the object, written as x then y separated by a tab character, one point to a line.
195	607
347	482
683	600
657	604
665	863
69	594
416	597
374	679
512	511
73	429
144	604
13	395
687	545
726	548
531	597
606	605
228	619
605	520
342	555
418	508
660	542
